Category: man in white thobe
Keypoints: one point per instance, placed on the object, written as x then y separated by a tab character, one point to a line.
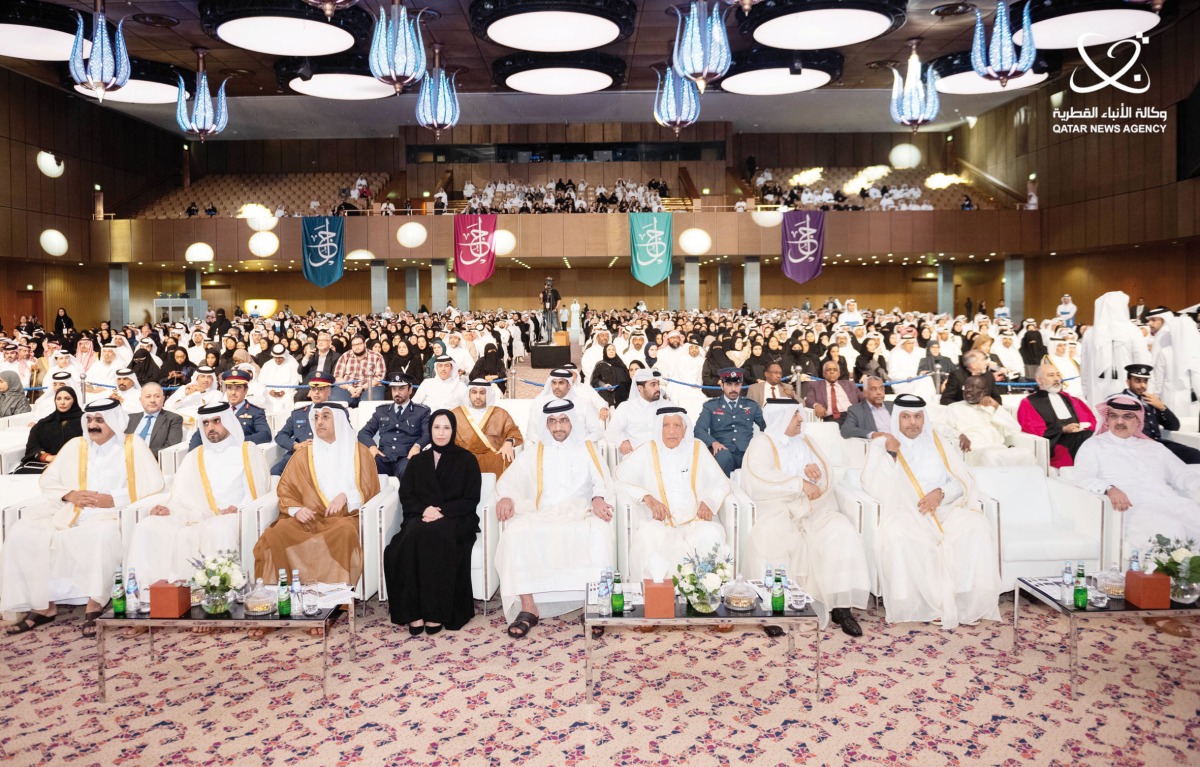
1112	343
555	505
1175	354
102	375
798	522
935	552
201	518
186	400
445	390
983	428
633	421
903	362
277	378
66	548
128	391
676	488
560	385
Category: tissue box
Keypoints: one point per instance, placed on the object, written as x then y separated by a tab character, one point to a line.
660	598
169	601
1149	591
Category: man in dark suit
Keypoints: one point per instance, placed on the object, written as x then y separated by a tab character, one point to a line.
771	387
252	418
831	397
974	363
298	430
158	428
402	428
872	416
321	359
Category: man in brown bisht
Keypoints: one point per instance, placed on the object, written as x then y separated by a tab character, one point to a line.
489	432
320	493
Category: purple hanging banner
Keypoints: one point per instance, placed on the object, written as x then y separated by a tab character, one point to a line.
803	244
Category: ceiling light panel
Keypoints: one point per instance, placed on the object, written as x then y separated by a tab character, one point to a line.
553	26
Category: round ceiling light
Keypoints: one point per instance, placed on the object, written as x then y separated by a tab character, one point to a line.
198	252
53	242
504	242
816	24
263	244
40	31
695	242
1065	23
282	29
955	75
558	74
767	218
553	26
360	255
772	72
49	165
345	77
150	82
412	235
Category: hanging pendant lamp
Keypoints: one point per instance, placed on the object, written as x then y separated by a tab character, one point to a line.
107	68
914	103
204	120
437	103
701	52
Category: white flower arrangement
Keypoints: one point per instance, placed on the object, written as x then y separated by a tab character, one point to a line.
698	579
1176	558
218	574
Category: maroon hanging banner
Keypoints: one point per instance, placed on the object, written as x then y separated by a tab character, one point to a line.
803	244
475	247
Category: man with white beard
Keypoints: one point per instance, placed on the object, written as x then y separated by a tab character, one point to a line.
677	488
556	506
936	556
632	423
66	548
560	385
1111	344
798	521
201	518
670	355
276	378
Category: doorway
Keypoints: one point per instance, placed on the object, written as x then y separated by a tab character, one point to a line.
29	303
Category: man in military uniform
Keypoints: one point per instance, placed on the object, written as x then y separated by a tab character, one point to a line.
1158	415
297	430
403	428
252	417
726	422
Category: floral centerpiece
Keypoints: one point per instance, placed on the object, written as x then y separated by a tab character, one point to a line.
217	576
1178	560
700	579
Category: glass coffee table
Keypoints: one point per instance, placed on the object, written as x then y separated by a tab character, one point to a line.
1045	590
634	616
234	619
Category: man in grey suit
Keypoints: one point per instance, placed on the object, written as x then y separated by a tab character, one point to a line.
158	428
872	416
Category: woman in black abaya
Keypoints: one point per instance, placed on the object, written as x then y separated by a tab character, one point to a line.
427	565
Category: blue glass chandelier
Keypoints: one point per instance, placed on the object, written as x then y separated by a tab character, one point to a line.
914	103
437	103
1000	61
397	49
107	69
204	120
701	45
676	100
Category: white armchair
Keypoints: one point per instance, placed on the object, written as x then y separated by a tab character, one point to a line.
369	532
1038	522
1039	446
630	513
20	491
1114	547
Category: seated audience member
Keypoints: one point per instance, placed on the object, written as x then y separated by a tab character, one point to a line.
486	431
297	430
12	395
935	553
561	385
156	427
555	505
1157	416
428	563
832	397
66	548
984	428
402	429
51	433
1052	413
872	416
771	386
727	422
252	418
974	363
633	421
445	389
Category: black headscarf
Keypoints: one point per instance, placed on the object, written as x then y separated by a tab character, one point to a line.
143	366
452	444
55	430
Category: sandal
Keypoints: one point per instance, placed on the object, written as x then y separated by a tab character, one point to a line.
89	624
519	628
28	622
1168	625
597	632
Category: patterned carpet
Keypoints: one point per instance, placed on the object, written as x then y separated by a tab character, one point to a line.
901	695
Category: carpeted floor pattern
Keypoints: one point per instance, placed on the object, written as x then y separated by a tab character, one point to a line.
901	695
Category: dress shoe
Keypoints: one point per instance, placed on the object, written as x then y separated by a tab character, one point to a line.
844	618
415	630
431	630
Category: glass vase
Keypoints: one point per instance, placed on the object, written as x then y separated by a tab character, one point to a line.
1183	592
704	604
215	603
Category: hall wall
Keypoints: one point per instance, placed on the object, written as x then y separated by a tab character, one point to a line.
808	150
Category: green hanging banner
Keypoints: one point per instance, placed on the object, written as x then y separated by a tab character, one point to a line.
650	244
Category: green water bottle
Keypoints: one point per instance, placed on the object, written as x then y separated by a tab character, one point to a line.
285	596
777	598
618	595
1081	591
118	593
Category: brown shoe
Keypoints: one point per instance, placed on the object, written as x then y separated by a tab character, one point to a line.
723	628
1165	625
646	629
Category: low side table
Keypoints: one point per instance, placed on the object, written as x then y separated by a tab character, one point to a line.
790	620
1045	590
236	618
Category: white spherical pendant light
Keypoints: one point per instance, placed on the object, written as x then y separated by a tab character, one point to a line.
411	235
505	242
263	244
53	242
198	252
695	242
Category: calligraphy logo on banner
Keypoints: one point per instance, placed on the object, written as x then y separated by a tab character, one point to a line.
324	249
475	247
803	244
650	244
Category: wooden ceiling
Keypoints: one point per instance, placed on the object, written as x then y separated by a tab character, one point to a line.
648	45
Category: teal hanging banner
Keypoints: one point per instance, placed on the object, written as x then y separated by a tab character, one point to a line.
650	244
324	249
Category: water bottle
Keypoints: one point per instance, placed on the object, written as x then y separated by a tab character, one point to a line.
131	592
1066	593
296	596
781	572
768	577
604	593
1135	564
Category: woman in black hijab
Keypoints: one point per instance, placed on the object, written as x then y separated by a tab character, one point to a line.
403	360
48	435
490	366
611	371
427	565
714	362
176	370
143	366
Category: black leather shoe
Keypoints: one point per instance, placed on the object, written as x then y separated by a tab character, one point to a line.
414	630
431	630
773	631
844	618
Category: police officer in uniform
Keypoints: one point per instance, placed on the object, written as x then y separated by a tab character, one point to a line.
403	428
252	417
1158	415
297	430
726	422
